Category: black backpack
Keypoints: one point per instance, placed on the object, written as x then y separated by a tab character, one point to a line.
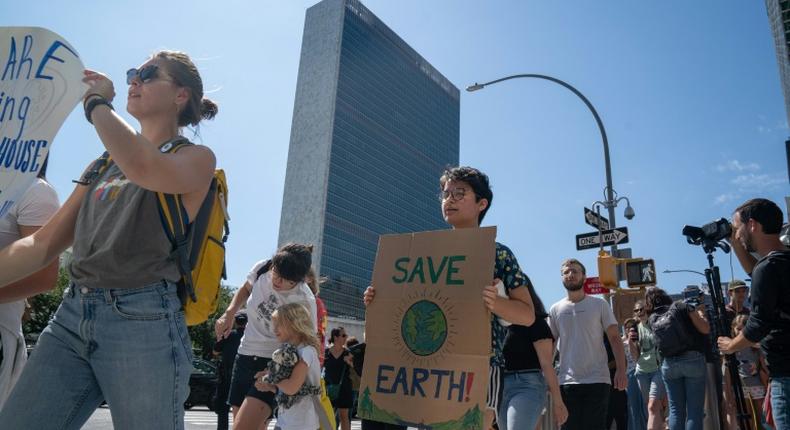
671	331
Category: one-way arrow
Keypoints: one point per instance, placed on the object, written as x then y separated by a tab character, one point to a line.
610	237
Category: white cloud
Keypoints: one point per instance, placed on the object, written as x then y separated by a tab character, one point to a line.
754	182
725	198
745	184
737	166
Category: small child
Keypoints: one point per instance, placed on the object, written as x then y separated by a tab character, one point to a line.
293	325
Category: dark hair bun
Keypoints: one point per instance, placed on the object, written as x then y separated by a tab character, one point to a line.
208	109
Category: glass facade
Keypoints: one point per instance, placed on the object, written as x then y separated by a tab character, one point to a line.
395	128
779	19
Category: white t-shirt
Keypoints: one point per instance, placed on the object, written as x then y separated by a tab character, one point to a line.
34	209
579	329
302	415
259	338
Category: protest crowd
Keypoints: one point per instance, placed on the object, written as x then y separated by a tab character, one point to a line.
120	334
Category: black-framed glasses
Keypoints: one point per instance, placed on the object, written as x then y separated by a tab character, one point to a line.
638	310
144	74
456	193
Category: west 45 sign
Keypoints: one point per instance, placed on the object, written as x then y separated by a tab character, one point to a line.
608	237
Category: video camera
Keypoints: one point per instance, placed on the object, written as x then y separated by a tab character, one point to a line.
710	235
717	230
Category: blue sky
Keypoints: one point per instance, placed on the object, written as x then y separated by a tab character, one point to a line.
688	92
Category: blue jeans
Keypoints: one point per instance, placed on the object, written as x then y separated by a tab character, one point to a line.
780	408
523	399
129	347
637	419
684	377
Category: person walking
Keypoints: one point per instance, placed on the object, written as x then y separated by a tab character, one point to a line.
578	322
227	348
120	334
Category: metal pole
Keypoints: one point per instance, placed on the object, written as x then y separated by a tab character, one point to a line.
609	189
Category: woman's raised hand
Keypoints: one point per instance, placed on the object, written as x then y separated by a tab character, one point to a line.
98	84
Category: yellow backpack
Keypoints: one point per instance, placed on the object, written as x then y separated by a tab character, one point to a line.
199	248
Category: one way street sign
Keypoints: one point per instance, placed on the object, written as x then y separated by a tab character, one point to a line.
610	237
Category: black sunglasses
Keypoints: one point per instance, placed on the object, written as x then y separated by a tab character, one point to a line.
144	74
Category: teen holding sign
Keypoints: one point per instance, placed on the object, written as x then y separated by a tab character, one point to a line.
120	334
466	197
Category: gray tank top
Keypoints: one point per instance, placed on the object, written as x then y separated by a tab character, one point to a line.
119	241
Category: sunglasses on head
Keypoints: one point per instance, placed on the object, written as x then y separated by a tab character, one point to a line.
144	74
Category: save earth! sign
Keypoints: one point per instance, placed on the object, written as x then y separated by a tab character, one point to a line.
428	332
40	83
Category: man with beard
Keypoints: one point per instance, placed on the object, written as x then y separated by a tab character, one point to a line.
578	322
755	228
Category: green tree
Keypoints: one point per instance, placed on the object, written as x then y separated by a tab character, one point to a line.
202	335
44	305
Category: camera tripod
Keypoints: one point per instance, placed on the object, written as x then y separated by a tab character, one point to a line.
720	325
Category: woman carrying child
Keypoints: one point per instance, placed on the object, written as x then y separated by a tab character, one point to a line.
270	284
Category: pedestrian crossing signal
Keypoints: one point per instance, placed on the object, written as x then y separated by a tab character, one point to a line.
640	273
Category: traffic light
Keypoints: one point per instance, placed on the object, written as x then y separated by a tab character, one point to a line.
640	273
607	270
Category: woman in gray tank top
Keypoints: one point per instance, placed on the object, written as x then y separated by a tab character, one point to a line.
120	333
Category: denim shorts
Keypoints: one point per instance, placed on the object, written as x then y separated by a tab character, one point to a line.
242	383
651	385
129	347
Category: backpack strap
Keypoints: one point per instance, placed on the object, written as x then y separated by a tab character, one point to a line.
175	222
95	170
263	269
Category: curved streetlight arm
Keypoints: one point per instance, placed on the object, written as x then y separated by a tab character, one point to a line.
589	105
686	270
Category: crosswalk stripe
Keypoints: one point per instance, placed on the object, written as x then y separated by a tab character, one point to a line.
208	419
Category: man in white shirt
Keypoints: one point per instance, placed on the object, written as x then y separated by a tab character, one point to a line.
578	323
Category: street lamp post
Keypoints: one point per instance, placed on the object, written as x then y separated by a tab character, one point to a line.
611	200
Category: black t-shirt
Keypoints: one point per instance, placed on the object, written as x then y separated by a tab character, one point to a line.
700	340
335	368
519	352
769	320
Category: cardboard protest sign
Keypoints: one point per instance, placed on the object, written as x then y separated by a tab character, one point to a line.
428	332
40	83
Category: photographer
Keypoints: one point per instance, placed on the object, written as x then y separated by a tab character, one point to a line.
756	225
679	331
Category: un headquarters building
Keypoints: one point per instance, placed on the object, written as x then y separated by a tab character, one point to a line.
374	126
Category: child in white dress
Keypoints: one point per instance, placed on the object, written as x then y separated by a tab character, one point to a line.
293	324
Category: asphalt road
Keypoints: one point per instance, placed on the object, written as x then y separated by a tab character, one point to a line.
198	418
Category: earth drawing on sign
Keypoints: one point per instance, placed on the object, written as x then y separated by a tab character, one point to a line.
424	328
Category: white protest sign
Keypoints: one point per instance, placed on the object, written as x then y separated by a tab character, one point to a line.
40	83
